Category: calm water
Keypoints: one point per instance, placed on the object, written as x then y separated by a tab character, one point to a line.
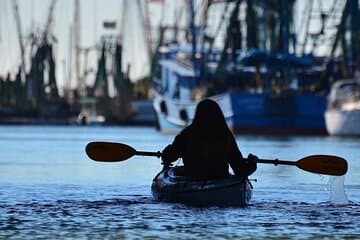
50	189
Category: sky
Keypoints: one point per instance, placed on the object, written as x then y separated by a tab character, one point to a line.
33	15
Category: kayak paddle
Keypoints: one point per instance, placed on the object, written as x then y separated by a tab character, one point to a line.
322	164
114	152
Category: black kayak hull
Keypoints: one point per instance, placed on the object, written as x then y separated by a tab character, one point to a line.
231	191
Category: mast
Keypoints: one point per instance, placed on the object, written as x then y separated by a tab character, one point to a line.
77	39
308	10
284	27
19	33
68	82
49	20
355	33
123	20
193	33
221	63
203	21
348	53
251	25
144	15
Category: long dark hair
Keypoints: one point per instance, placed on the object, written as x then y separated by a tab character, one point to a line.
209	120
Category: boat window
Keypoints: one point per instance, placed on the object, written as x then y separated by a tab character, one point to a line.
350	91
165	80
344	93
173	84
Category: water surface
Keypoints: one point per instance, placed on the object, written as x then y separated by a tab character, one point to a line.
50	189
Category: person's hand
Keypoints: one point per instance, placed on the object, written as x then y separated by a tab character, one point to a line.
252	158
166	155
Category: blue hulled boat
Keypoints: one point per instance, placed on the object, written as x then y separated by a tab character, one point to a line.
258	91
248	109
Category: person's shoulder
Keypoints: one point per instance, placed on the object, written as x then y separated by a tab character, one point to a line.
186	131
182	136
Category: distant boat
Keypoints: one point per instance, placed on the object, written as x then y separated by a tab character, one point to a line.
90	120
247	109
342	116
259	91
88	115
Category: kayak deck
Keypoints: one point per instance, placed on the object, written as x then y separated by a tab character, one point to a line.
231	191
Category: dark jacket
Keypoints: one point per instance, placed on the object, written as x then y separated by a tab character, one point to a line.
207	146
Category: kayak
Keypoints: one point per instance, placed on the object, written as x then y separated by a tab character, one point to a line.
170	186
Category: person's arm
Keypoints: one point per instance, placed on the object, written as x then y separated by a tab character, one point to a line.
174	151
241	166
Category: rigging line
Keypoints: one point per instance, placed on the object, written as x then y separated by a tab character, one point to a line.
302	23
32	16
306	15
0	21
9	55
320	5
307	27
123	17
95	19
222	20
327	23
178	14
49	21
145	28
162	18
203	21
331	16
198	8
2	10
333	12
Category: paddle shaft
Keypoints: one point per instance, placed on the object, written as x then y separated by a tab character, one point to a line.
151	154
275	162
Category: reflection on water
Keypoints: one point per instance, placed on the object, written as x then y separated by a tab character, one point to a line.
50	189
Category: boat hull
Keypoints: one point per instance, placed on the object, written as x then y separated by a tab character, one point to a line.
342	122
252	113
232	191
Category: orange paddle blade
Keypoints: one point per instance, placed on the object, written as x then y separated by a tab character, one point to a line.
323	164
109	152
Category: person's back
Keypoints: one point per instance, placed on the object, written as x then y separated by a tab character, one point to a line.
207	146
203	157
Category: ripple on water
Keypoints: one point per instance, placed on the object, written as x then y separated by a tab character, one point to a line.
140	216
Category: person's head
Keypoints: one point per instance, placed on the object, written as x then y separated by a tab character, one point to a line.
209	117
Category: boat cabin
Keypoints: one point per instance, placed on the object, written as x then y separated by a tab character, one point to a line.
344	92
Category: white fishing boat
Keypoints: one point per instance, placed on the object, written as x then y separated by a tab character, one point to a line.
90	119
342	116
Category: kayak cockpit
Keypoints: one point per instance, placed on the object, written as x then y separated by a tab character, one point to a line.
171	186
